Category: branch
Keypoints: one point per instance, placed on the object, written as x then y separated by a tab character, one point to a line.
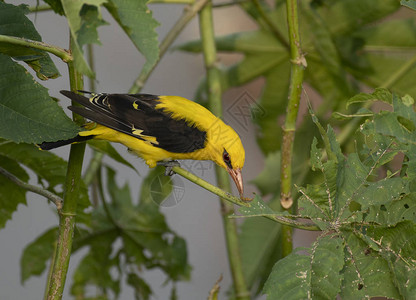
209	187
35	189
283	220
59	52
188	14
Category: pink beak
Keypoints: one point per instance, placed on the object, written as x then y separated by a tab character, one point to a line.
238	179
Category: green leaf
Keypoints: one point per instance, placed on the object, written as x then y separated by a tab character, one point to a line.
382	192
257	208
318	201
409	3
46	165
316	156
379	94
56	5
245	42
290	278
106	148
79	13
94	268
137	21
37	253
388	48
252	66
141	289
333	89
397	246
146	240
394	212
327	261
90	21
272	102
260	249
10	194
389	124
346	16
13	22
319	38
27	113
366	273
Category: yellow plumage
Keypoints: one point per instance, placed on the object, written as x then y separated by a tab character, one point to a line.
160	128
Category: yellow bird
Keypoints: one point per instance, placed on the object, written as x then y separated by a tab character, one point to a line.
159	129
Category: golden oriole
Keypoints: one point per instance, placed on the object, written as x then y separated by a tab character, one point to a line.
158	129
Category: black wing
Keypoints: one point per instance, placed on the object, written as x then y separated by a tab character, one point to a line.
128	113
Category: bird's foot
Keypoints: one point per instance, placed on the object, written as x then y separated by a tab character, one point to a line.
169	165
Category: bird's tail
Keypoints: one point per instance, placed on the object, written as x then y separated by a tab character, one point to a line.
53	145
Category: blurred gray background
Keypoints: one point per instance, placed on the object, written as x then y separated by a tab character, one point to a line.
197	216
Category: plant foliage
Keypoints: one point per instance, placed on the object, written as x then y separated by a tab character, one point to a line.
365	209
356	184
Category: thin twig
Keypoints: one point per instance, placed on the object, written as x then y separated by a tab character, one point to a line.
209	187
35	189
235	200
39	8
230	3
188	14
59	52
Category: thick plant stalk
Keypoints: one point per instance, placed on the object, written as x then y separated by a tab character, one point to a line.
289	128
214	97
67	216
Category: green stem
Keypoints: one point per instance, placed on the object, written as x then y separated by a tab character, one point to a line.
172	1
209	187
93	167
91	62
59	52
289	127
215	104
226	195
187	16
39	8
231	3
35	189
48	282
97	157
67	216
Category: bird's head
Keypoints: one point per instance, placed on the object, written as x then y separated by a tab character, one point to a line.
229	153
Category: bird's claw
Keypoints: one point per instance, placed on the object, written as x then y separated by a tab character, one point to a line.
169	165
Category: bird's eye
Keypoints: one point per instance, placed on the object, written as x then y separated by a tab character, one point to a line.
226	158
